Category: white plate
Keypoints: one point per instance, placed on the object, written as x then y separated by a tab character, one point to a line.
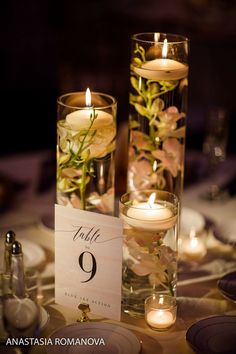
34	254
44	317
149	344
191	219
118	340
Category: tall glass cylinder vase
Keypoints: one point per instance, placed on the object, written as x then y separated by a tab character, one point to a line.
157	119
86	133
150	246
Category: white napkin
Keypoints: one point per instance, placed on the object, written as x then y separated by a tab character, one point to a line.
190	308
218	266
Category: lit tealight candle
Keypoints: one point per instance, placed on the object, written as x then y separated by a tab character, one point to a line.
193	248
160	319
150	215
162	68
81	118
160	311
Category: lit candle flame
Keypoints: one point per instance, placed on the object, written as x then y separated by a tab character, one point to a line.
88	98
193	238
154	166
101	171
165	49
156	37
151	199
161	301
194	242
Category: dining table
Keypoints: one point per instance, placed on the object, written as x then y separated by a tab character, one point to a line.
29	212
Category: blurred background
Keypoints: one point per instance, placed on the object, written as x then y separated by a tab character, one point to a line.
50	48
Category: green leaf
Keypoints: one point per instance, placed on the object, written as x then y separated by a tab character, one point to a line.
157	106
142	110
153	88
140	50
132	98
134	124
63	159
137	62
64	185
134	83
168	85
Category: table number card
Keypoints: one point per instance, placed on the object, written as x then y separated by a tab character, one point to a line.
88	260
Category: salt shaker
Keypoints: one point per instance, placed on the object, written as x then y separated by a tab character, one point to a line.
21	313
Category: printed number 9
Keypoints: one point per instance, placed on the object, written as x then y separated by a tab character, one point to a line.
93	266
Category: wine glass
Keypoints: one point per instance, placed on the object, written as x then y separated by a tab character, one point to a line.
214	148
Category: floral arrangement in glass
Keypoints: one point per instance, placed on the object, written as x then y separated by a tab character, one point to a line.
157	112
150	246
85	154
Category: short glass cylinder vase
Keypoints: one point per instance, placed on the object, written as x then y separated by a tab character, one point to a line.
157	113
160	311
151	220
86	134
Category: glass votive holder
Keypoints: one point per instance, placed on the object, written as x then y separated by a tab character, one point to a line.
86	137
160	311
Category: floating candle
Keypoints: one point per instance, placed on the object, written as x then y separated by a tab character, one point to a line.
81	118
162	68
150	215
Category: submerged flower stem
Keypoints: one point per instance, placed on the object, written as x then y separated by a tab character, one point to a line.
151	127
167	89
167	287
171	290
152	134
83	186
92	119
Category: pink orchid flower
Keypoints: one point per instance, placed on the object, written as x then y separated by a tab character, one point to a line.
157	267
140	140
139	173
104	203
171	155
167	123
